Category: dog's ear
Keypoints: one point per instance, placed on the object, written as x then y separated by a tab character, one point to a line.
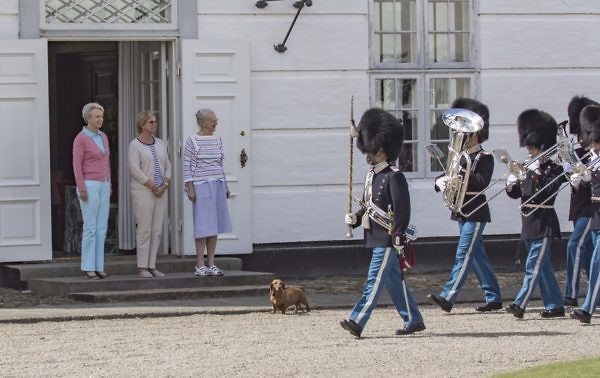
271	290
282	284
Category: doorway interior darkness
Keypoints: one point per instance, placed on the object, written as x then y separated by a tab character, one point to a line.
79	72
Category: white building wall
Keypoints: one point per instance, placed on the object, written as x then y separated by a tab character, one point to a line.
534	55
531	54
9	19
300	109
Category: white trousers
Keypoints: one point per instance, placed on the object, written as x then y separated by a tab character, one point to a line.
149	213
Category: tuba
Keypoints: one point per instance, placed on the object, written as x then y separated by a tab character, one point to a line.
462	124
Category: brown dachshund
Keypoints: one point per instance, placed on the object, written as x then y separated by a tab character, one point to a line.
282	297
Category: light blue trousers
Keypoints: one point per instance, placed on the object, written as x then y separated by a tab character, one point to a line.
95	223
591	299
470	254
384	270
579	255
538	268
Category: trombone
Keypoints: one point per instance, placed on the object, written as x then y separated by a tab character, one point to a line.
564	155
563	149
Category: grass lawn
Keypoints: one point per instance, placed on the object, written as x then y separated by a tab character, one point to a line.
583	368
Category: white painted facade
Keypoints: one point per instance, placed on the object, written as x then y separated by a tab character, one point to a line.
532	54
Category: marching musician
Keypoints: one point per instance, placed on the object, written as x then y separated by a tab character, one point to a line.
470	252
537	132
380	138
579	247
590	130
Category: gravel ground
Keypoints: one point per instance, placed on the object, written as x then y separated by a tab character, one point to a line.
462	343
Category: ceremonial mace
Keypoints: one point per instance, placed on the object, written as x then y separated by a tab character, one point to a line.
353	134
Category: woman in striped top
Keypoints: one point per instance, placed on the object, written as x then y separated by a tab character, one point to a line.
206	188
150	170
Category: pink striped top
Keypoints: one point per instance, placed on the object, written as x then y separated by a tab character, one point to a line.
89	162
203	159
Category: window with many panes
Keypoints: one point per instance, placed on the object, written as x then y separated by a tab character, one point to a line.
421	62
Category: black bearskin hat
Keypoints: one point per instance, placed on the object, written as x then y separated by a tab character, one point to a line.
379	130
574	109
479	108
537	128
590	124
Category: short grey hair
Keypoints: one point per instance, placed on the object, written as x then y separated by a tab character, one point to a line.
87	109
202	114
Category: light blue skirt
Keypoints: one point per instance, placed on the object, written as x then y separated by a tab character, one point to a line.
211	215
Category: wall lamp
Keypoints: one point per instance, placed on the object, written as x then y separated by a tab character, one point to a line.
263	3
280	47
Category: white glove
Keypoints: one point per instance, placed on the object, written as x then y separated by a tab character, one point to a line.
442	182
534	166
350	219
575	180
567	167
511	180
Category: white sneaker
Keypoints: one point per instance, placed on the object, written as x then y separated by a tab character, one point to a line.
214	271
156	273
202	271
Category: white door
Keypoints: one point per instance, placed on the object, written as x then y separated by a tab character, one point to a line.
215	74
25	220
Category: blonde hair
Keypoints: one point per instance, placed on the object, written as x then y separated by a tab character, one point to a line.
142	117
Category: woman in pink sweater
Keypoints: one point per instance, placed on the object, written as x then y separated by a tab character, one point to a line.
91	166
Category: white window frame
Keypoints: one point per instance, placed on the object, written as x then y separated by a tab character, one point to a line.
170	26
423	71
424	108
422	43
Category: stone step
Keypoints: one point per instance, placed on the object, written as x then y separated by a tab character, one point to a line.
63	286
17	275
172	294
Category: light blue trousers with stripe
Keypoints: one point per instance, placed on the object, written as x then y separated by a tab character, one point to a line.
384	270
591	299
579	255
538	268
95	224
470	254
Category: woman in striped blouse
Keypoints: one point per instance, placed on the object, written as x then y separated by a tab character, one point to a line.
150	170
206	188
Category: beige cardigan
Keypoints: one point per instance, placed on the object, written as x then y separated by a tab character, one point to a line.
141	163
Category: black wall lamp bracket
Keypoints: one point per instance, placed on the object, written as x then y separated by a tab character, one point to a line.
300	4
280	48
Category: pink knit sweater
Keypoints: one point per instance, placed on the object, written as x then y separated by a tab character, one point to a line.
89	162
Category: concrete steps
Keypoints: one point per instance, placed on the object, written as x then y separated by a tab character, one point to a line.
66	279
170	294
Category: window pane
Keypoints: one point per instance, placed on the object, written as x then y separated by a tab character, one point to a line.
459	47
406	47
411	125
439	131
446	18
405	15
438	48
395	31
386	16
385	94
408	158
387	48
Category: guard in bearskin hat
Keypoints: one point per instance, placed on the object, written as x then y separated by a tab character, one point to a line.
579	247
590	132
384	215
537	132
470	252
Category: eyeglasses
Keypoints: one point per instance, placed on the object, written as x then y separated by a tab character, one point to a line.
152	122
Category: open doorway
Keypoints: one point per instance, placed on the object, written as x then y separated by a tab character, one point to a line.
124	77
